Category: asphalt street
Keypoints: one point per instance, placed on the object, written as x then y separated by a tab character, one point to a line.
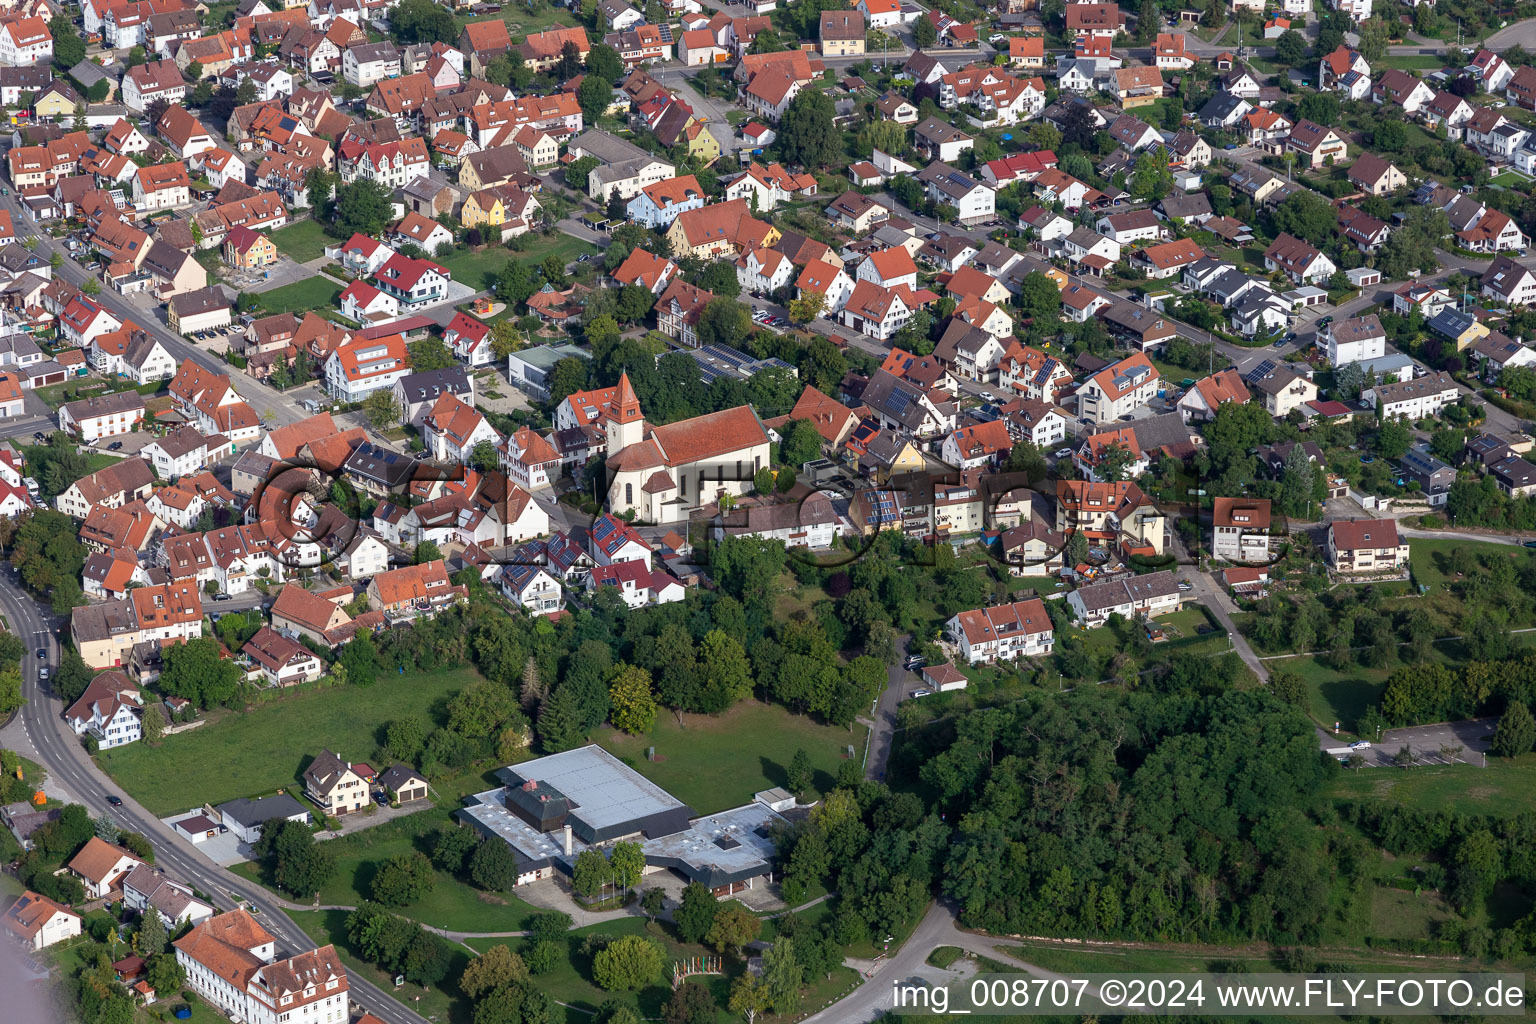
59	751
267	401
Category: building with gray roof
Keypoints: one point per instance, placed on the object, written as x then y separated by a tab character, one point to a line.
552	808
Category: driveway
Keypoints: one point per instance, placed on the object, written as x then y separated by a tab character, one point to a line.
883	729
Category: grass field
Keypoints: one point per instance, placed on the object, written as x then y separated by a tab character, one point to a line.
93	460
712	763
479	270
452	904
1410	62
301	241
249	753
1429	557
319	292
571	982
444	1005
1504	788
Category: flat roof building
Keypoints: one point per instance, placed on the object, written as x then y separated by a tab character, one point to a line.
551	809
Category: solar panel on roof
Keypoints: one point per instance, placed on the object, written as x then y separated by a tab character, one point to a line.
1258	373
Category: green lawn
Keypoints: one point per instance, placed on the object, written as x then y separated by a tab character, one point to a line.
1410	62
443	1005
94	460
318	292
1510	179
452	904
301	241
1503	789
712	763
1430	556
479	270
571	982
249	753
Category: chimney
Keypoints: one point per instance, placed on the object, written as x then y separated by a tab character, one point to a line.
565	839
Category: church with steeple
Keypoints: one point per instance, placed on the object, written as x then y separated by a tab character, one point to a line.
662	474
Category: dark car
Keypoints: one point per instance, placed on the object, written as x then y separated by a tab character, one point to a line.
1530	543
115	801
114	446
39	436
41	653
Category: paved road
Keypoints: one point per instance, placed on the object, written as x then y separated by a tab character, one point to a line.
1215	597
265	400
61	754
897	681
872	999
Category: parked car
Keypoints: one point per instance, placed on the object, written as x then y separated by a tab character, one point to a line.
921	693
221	597
115	446
989	396
1063	453
1360	745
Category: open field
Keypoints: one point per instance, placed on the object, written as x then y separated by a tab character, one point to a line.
444	1004
93	460
712	763
1410	62
1430	556
1504	788
319	292
249	753
570	982
301	241
452	904
479	270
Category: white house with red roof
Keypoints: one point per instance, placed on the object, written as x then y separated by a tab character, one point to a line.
647	270
361	366
25	41
100	866
453	428
366	304
1004	632
416	284
636	583
889	268
832	283
980	444
230	961
361	255
109	710
469	339
83	319
611	540
763	271
530	460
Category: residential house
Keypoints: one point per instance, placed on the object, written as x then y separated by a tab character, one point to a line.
1365	546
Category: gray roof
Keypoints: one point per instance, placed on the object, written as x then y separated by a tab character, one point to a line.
935	130
262	809
1100	596
429	384
204	300
608	798
1197	204
606	147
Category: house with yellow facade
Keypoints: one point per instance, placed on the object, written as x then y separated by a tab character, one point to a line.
539	148
720	229
55	104
245	249
506	209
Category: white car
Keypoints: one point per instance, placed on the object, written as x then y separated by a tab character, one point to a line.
1360	745
1064	453
988	396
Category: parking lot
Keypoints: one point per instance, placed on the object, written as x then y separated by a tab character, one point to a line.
1445	743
